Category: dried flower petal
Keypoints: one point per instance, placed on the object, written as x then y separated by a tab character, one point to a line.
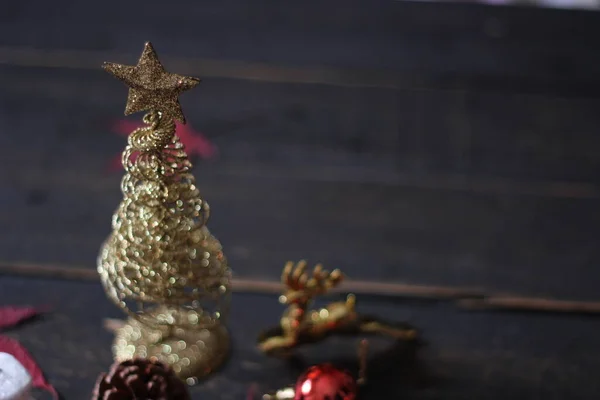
195	143
12	316
14	348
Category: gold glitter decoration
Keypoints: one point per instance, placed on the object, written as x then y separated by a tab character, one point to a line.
299	325
151	88
160	264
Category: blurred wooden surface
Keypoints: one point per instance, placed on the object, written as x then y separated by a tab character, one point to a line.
368	180
437	144
436	43
469	355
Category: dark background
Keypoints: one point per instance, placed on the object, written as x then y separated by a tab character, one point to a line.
428	143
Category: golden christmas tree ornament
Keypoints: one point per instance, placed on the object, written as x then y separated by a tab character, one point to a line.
300	325
161	264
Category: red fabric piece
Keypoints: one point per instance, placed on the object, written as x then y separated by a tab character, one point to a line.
10	317
195	142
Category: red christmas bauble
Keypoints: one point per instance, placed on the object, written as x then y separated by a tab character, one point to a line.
325	382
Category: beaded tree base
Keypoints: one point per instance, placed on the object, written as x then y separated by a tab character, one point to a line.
192	353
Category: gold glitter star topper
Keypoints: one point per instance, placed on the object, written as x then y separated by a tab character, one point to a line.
150	86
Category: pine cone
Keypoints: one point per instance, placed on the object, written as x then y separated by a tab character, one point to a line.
140	379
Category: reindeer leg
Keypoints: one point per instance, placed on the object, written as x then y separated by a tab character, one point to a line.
277	344
400	331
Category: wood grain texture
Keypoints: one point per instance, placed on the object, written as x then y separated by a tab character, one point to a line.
465	298
469	355
433	44
471	162
305	173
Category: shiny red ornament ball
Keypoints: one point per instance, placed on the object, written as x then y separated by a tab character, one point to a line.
325	382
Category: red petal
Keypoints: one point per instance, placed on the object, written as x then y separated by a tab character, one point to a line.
195	143
250	394
11	316
116	164
125	127
200	145
14	348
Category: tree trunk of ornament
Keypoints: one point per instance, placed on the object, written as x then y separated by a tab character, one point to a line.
161	264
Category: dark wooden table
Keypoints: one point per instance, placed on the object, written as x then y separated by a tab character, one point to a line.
468	355
445	145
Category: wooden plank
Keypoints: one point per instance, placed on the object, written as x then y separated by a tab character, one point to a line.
518	244
291	182
430	139
469	355
466	298
471	46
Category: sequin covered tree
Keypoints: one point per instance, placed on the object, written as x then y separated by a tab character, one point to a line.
161	264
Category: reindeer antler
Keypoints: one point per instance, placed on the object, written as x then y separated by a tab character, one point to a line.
296	278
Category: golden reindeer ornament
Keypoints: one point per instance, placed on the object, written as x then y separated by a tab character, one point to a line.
301	325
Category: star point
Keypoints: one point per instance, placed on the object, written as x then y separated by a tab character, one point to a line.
150	86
